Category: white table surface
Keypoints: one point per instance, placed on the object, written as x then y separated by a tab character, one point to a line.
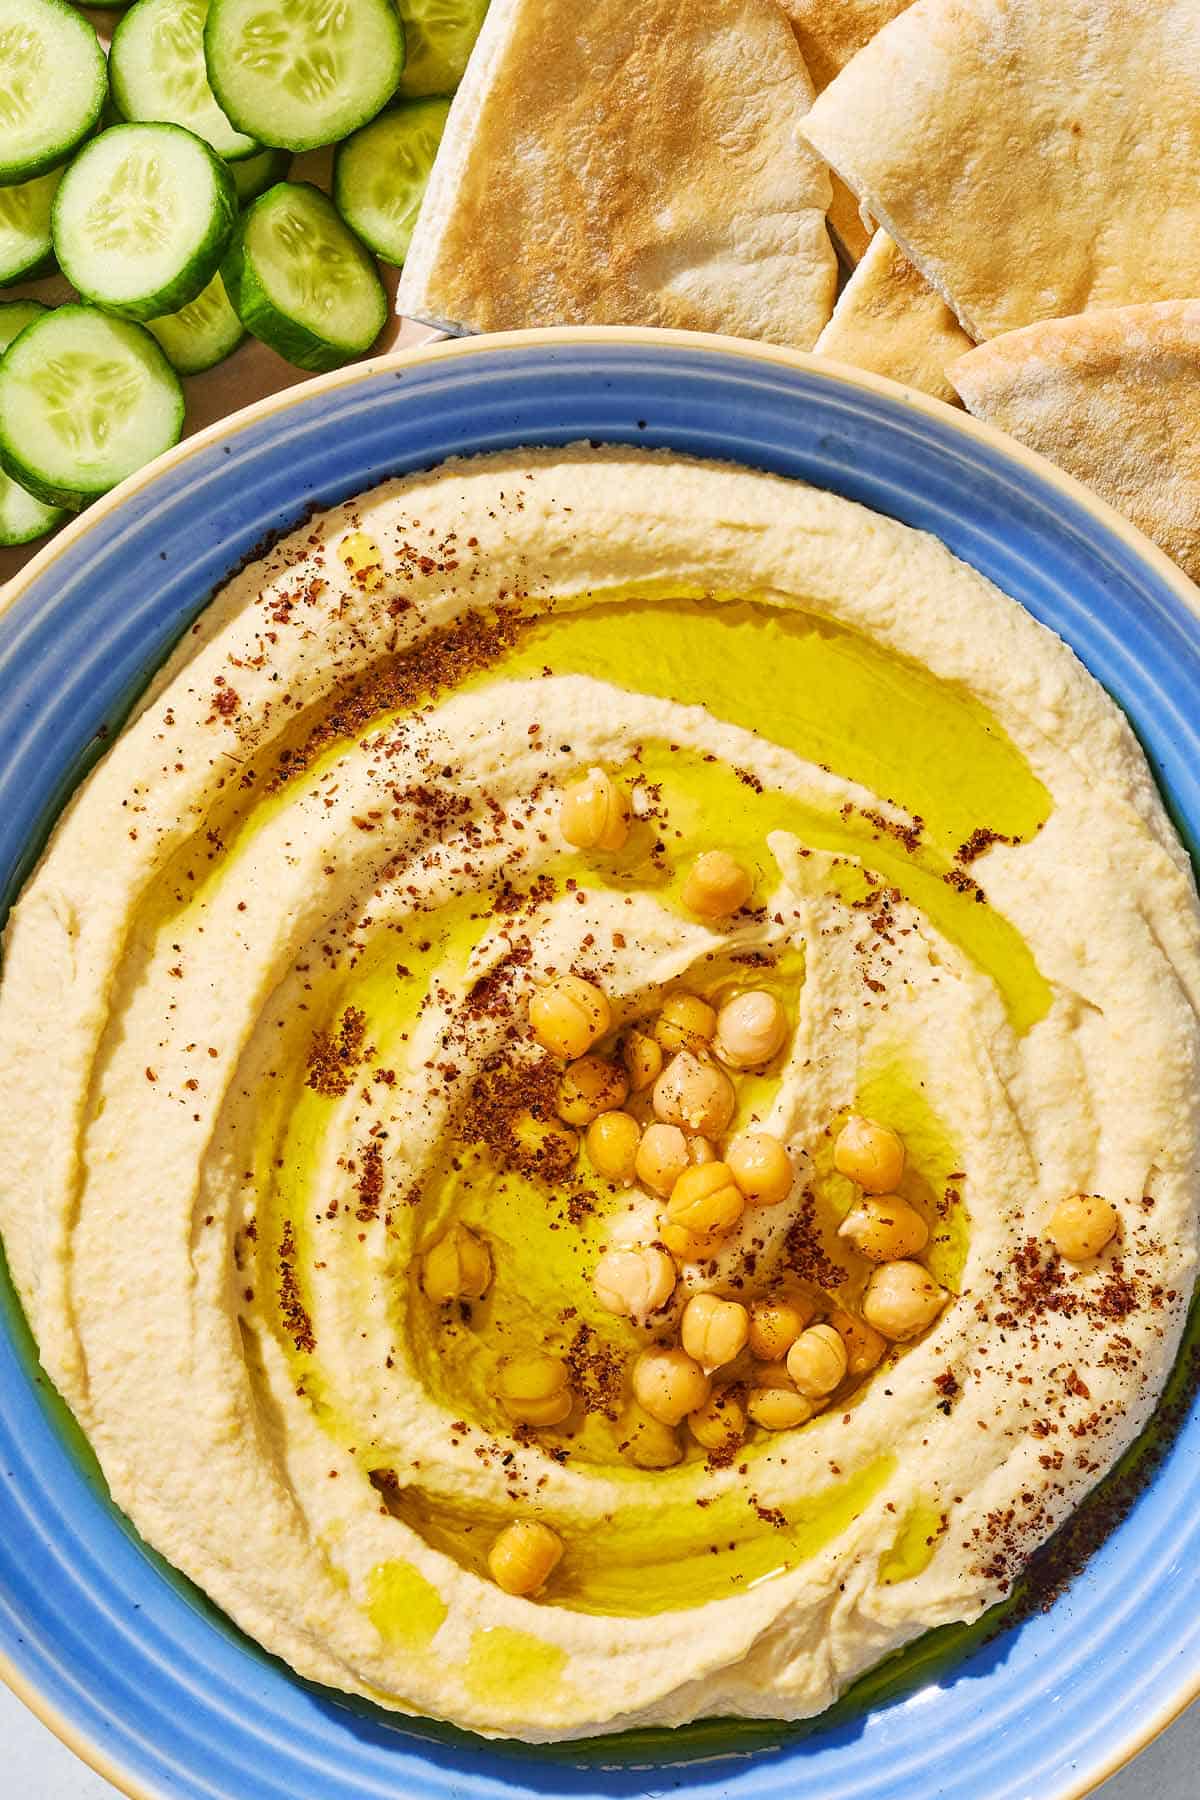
35	1766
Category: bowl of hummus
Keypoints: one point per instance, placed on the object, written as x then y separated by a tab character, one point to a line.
598	1093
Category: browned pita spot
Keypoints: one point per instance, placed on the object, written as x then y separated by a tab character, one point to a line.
1034	158
891	321
1114	399
628	164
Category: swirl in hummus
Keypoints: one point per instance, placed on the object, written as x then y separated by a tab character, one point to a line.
287	1197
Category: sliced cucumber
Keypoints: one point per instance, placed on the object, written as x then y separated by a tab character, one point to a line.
202	333
25	246
85	399
53	83
439	36
300	280
156	66
22	517
380	174
255	174
304	73
142	218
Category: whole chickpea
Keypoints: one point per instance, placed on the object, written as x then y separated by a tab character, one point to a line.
885	1228
1082	1225
524	1556
684	1022
761	1167
706	1200
865	1347
816	1361
750	1030
720	1424
668	1385
569	1015
643	1059
662	1156
901	1300
533	1389
713	1331
612	1141
870	1154
647	1442
695	1095
594	814
457	1267
634	1282
716	886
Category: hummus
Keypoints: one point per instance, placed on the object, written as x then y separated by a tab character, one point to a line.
265	1042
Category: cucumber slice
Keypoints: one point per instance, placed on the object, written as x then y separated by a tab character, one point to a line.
25	246
53	82
202	333
85	399
156	66
22	518
142	218
255	174
380	174
306	73
300	280
439	35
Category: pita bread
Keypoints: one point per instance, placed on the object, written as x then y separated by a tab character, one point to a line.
1034	158
890	320
628	162
829	33
1113	398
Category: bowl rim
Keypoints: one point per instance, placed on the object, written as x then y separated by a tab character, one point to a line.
645	337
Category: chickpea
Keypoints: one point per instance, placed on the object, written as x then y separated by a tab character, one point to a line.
634	1283
533	1389
684	1022
701	1151
774	1403
750	1030
816	1361
713	1331
776	1324
589	1087
716	886
524	1556
550	1146
647	1442
761	1167
457	1267
569	1015
1082	1225
884	1228
688	1246
668	1385
695	1095
902	1299
869	1154
643	1059
865	1347
612	1142
662	1156
720	1424
706	1201
594	814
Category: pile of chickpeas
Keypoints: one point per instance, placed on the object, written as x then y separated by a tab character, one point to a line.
652	1112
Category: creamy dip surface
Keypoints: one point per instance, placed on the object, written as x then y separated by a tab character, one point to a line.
265	1045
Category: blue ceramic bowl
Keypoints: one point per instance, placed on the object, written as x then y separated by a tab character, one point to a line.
120	1656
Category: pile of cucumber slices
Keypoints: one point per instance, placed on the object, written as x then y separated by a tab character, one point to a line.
156	180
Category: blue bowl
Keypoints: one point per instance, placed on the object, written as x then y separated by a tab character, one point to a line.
122	1657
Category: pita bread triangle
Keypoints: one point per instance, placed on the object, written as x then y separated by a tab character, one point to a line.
633	162
890	320
1112	397
1034	158
829	33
